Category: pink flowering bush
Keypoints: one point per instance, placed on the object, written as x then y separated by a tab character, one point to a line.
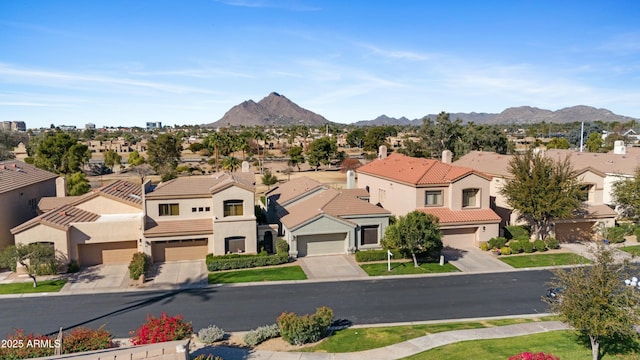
164	328
533	356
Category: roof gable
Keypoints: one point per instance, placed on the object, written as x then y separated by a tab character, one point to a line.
16	174
60	218
202	185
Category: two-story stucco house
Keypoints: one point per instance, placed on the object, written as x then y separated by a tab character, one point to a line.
583	224
173	221
458	196
317	220
21	188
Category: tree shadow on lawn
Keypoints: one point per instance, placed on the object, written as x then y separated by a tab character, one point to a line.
610	346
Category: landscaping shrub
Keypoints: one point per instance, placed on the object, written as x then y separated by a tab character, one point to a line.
261	334
376	255
533	356
517	232
298	330
207	357
616	234
215	263
528	247
85	339
73	267
505	250
16	346
516	246
497	242
539	245
210	334
282	247
164	328
484	246
140	264
552	243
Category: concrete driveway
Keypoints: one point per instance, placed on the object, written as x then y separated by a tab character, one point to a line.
473	260
104	277
335	267
178	275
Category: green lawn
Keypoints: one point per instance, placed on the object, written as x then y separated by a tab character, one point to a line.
264	274
350	340
633	250
27	287
563	344
535	260
406	268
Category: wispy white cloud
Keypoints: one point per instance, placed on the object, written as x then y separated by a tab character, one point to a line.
203	73
395	54
291	5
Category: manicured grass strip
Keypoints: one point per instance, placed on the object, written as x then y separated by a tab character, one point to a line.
264	274
633	250
535	260
563	344
349	340
406	268
27	287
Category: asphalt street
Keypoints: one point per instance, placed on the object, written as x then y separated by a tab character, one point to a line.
240	308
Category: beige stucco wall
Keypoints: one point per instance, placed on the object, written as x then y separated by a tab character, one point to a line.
185	206
103	205
596	193
234	193
398	198
322	225
230	227
381	221
103	231
471	181
15	208
44	233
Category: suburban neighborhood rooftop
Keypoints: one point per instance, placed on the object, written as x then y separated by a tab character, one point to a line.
16	174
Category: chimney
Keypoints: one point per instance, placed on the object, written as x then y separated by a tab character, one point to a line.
382	152
61	187
447	156
351	179
619	148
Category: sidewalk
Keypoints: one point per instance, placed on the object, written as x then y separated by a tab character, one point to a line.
395	351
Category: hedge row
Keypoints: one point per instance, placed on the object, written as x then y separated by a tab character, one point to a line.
376	255
215	263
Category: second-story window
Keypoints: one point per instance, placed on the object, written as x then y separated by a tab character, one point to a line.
470	198
168	209
433	198
233	208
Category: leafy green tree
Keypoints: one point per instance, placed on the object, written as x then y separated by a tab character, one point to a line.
196	147
61	153
626	195
230	163
573	136
77	184
355	137
441	134
558	143
269	179
596	304
296	157
36	259
542	190
481	138
594	142
112	158
416	232
135	159
414	149
322	151
163	153
377	136
611	139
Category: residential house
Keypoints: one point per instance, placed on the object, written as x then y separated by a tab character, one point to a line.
173	221
21	188
585	221
458	196
317	220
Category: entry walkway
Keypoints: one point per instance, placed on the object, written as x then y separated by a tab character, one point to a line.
396	351
331	267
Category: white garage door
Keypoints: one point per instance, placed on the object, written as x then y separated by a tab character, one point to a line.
327	244
459	238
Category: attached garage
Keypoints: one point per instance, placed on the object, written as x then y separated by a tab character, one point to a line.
575	231
107	253
324	244
176	250
459	238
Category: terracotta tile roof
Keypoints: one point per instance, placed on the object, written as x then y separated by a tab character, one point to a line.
60	218
357	192
16	174
331	202
607	163
124	191
416	171
201	185
49	203
178	227
488	162
596	212
293	189
448	216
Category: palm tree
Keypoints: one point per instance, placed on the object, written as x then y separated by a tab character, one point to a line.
230	163
269	179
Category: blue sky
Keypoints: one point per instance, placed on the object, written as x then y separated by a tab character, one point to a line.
188	62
